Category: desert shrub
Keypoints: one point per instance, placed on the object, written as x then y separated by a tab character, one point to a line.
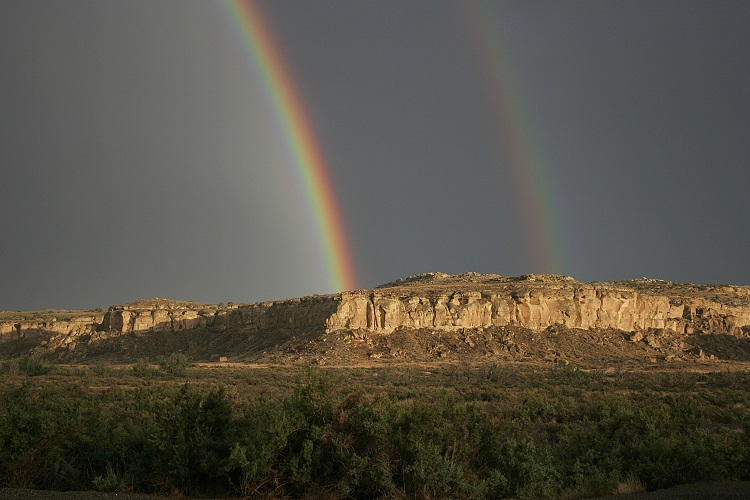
442	450
40	437
497	374
142	368
112	480
25	366
309	457
326	436
538	406
325	441
514	464
260	433
117	445
563	373
175	364
101	370
33	367
657	443
368	422
692	455
190	443
10	367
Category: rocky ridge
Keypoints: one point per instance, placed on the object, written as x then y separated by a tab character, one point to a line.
646	311
436	300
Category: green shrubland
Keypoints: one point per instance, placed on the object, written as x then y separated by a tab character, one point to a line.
456	432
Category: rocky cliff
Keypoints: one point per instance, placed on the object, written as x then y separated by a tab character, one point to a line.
70	329
445	302
432	301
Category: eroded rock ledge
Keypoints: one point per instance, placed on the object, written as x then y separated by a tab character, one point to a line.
539	301
428	301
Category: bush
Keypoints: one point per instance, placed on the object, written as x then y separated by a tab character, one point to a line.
101	370
33	368
261	431
10	367
142	368
25	366
40	438
191	442
175	364
327	437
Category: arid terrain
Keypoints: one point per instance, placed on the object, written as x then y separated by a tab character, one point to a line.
425	318
434	386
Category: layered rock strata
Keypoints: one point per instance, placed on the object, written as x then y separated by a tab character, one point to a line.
429	301
539	305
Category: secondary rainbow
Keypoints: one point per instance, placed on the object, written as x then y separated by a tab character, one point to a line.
259	43
524	152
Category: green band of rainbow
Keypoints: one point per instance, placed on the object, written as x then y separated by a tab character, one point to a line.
261	47
523	151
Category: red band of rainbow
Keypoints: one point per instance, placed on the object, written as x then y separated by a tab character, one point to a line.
309	163
523	153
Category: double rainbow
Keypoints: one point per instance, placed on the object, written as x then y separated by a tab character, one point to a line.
260	46
523	153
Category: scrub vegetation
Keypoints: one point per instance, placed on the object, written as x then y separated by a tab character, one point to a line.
406	431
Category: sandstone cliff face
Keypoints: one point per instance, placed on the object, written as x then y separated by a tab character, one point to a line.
431	301
17	329
538	304
159	315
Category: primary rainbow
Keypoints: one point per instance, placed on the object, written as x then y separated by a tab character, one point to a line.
259	44
524	151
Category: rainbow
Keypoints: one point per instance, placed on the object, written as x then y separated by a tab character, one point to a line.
523	153
263	51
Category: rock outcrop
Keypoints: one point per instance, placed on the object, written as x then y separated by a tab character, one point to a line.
538	302
433	301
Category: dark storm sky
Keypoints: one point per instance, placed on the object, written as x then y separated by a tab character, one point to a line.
139	157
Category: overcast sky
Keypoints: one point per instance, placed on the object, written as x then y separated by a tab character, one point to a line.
139	156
